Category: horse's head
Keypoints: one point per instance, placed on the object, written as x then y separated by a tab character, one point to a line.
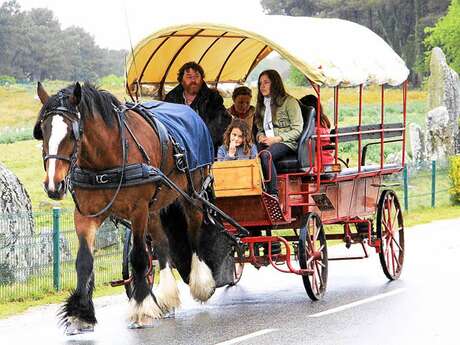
58	126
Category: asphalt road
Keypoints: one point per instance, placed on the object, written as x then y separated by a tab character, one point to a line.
268	307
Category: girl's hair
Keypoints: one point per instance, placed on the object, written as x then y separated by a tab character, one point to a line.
277	91
241	91
312	101
243	127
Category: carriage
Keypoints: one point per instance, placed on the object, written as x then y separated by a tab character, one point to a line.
289	233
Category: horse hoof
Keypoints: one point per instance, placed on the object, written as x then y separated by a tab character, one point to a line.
169	314
73	330
138	325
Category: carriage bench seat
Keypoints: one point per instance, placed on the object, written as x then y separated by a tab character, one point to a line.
303	159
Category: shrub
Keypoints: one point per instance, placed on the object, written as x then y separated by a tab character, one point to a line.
454	174
7	80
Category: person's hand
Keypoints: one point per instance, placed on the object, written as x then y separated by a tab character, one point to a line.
270	140
232	149
261	138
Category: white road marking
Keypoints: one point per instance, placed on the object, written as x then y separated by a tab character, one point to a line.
357	303
248	336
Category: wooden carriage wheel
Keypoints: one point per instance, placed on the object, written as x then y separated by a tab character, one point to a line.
390	232
126	267
313	255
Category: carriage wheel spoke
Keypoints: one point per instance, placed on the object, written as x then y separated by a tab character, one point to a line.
397	243
395	217
320	276
394	260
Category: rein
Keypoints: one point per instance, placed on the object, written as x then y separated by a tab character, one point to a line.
124	144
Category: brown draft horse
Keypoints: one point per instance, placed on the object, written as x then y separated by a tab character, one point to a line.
79	125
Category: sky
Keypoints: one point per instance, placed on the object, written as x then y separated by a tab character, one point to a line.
113	23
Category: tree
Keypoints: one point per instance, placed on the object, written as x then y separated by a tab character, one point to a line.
33	47
446	34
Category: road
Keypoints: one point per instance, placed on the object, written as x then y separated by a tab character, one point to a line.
268	307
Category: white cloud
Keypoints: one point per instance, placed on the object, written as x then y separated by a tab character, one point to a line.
106	20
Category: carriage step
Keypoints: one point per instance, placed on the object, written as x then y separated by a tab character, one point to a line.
273	208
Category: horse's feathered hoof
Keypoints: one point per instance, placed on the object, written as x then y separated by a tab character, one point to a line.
138	325
75	327
169	314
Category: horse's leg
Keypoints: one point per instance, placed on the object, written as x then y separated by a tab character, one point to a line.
143	307
167	293
77	315
201	282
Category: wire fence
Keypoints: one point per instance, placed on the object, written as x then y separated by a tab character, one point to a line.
38	251
425	185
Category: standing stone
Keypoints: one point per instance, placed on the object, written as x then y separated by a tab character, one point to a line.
417	143
16	225
444	90
441	142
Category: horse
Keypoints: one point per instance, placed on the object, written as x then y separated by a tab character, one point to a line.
87	128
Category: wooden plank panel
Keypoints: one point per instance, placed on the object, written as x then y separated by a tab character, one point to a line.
237	178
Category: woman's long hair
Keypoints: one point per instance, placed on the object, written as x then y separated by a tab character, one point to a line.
247	137
277	91
312	101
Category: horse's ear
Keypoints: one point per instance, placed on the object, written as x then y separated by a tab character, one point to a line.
42	94
75	97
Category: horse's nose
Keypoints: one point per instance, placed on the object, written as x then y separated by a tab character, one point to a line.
58	191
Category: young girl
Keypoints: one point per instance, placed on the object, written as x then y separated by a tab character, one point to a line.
237	142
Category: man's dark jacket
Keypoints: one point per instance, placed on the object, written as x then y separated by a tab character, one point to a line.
209	104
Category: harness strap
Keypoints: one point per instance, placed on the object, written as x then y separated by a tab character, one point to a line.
120	118
135	174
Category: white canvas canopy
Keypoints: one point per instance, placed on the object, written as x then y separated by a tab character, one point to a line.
328	52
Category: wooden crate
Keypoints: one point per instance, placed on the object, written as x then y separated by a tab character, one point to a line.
237	178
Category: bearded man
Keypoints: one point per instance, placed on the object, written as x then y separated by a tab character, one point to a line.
208	103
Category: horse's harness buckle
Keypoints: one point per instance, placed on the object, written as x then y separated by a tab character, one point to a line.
102	179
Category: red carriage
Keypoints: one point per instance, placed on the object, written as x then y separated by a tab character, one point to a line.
330	53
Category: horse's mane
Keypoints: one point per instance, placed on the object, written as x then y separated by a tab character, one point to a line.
93	100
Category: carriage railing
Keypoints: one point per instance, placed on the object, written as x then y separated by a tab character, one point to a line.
360	133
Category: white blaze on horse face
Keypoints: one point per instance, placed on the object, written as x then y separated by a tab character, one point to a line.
58	132
202	283
167	292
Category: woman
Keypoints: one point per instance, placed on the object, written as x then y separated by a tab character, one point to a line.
327	156
279	124
241	107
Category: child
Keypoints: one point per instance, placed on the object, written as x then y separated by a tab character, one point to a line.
237	142
327	156
242	108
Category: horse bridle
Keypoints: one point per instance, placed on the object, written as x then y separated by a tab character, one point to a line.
75	119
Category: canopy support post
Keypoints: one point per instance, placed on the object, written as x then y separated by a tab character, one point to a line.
360	114
318	141
403	158
382	119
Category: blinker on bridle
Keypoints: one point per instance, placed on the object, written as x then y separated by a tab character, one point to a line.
74	118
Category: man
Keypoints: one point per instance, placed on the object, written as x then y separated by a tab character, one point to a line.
209	104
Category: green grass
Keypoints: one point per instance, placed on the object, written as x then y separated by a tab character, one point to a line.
12	308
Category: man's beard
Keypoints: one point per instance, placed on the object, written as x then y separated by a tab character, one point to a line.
192	88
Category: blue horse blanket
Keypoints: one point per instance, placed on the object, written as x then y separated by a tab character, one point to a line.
188	130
